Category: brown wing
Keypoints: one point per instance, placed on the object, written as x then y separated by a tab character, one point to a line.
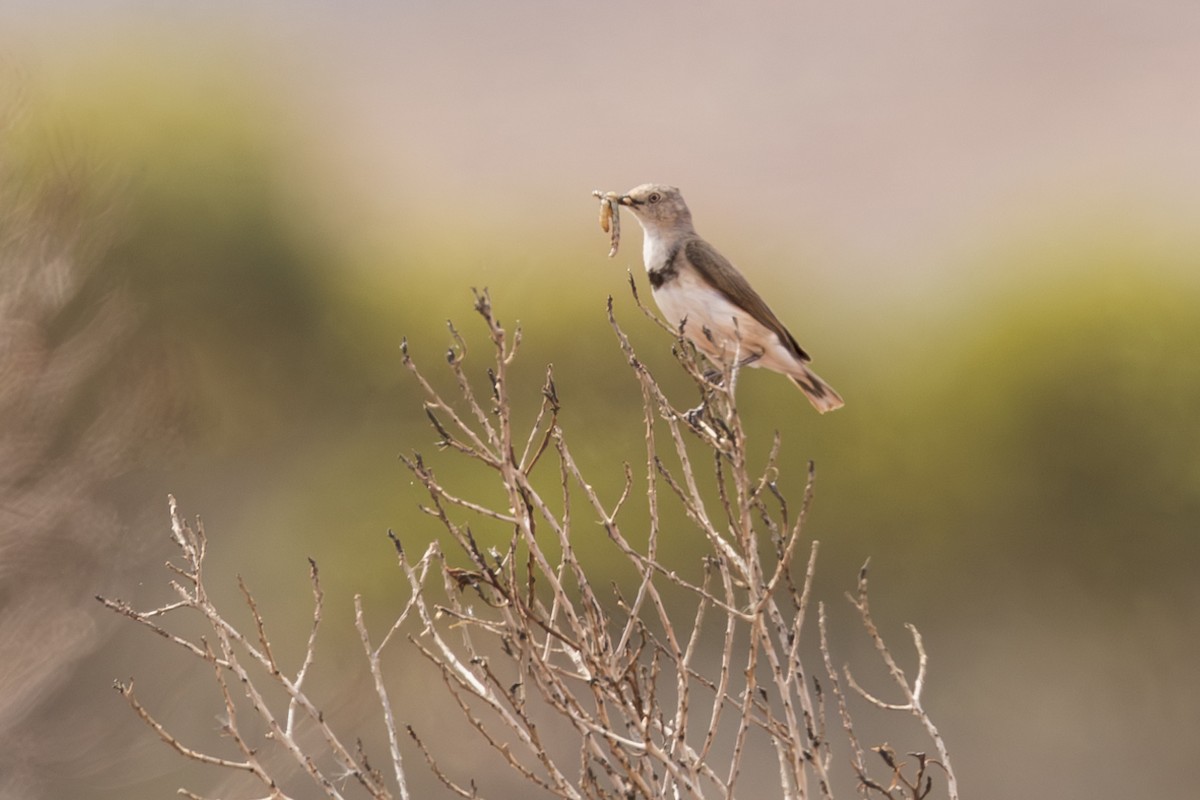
722	275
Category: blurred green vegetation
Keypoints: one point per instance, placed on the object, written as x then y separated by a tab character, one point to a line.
1051	426
1042	432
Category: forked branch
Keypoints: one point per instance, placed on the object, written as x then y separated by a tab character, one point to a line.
651	679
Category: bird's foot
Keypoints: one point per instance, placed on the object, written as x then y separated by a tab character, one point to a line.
695	417
701	420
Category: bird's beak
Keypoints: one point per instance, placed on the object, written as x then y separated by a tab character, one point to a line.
625	200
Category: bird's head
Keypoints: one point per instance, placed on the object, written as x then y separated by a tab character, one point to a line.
657	205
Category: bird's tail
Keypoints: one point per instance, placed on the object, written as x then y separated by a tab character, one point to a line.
819	393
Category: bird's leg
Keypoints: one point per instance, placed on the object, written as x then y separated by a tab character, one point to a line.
701	417
701	421
716	376
750	359
695	417
708	425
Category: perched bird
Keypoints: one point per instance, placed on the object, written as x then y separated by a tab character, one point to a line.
709	300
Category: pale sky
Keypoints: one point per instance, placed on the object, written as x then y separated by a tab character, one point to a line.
890	137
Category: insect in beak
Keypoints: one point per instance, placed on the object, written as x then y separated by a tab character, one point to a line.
610	219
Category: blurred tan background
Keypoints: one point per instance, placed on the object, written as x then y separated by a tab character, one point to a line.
216	225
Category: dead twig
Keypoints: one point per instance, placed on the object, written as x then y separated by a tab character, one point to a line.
659	688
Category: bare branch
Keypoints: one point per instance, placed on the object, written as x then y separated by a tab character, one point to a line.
666	687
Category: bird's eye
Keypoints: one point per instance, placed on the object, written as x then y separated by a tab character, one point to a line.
654	197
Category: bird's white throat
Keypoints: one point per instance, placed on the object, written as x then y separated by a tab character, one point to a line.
656	248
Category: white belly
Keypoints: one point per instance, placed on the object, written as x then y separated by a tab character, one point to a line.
690	302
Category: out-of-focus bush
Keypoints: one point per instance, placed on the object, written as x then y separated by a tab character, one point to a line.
1043	434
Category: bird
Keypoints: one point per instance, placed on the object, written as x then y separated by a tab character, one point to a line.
709	301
